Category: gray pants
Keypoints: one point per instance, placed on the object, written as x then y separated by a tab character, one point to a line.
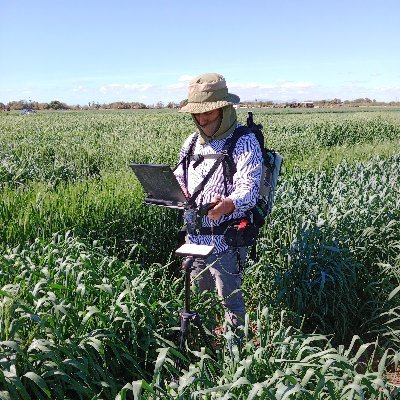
226	276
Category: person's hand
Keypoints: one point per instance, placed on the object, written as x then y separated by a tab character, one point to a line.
223	206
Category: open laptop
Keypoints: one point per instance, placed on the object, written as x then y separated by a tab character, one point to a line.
160	184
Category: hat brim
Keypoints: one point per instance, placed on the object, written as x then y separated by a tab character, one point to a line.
197	108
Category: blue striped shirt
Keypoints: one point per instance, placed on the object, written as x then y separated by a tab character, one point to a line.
243	191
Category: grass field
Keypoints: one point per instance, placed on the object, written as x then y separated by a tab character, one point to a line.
90	290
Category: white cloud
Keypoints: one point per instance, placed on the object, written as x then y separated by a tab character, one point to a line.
275	86
280	90
185	78
296	85
117	88
391	92
80	89
247	86
177	86
354	83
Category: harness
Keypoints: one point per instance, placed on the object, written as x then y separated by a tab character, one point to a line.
234	229
244	231
224	158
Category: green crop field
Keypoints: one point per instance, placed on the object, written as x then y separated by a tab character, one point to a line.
90	289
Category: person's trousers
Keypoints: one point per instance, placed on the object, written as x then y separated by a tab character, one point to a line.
225	275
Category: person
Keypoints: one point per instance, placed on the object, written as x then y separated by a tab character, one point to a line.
213	113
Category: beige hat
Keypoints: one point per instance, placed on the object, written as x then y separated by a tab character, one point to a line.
208	92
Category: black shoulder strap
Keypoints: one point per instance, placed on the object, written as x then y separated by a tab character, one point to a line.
257	130
186	158
244	130
225	157
199	188
189	151
237	134
230	147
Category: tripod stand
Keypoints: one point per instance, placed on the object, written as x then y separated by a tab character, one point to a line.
188	316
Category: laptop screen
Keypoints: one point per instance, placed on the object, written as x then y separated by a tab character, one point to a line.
160	184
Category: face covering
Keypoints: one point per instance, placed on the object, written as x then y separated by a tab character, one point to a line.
224	129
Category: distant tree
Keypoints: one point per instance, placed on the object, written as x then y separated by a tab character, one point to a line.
17	105
139	105
121	105
94	105
34	105
57	105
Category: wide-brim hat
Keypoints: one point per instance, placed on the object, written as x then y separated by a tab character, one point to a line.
208	92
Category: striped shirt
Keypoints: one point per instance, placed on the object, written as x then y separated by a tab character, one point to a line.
243	191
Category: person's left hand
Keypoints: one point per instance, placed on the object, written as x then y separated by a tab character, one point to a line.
223	206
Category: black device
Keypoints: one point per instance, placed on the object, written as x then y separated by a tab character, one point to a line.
160	185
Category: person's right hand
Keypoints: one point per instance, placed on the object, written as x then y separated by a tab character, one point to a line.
223	206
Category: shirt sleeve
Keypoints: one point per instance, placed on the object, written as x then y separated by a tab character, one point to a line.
246	181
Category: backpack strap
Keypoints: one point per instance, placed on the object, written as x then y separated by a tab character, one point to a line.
186	158
199	188
225	157
230	147
199	158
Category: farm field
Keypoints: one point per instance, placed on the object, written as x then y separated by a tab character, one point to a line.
90	289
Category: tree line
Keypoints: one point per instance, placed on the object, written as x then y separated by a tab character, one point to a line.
30	105
360	102
92	105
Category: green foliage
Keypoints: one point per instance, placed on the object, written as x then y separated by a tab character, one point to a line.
284	364
109	208
303	136
80	320
324	248
72	146
78	324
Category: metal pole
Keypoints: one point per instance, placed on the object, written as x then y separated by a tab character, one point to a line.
187	266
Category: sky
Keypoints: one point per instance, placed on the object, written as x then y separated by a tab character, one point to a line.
80	51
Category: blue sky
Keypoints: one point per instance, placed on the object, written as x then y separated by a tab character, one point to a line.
83	51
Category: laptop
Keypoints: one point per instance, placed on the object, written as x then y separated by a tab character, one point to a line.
160	185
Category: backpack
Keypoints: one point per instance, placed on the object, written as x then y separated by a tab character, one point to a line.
271	168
